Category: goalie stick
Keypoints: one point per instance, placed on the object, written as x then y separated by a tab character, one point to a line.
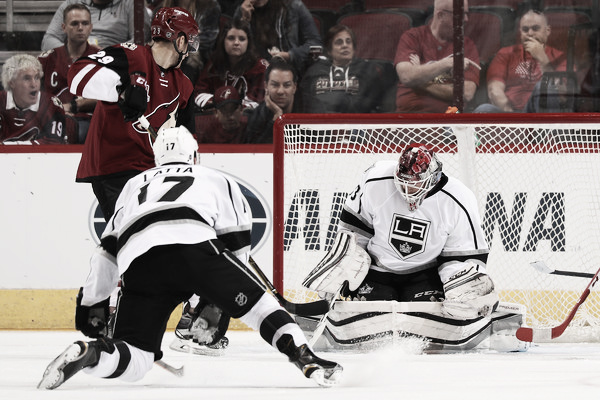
315	308
542	267
526	334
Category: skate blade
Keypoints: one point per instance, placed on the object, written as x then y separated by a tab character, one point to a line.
184	347
53	375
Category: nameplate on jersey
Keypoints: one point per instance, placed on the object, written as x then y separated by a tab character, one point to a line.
408	235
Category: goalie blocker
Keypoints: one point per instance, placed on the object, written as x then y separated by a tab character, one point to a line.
368	325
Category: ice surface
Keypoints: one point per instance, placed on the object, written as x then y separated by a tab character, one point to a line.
250	369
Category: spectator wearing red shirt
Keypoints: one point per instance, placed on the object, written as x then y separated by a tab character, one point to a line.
424	61
28	116
228	123
77	26
515	70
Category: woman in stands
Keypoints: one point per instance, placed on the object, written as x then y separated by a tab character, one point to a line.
207	14
236	63
341	82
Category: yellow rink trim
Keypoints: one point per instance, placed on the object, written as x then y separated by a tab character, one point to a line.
53	309
47	309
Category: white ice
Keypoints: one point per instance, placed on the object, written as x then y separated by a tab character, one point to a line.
250	369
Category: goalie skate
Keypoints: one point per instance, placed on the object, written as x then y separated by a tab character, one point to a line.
76	357
189	346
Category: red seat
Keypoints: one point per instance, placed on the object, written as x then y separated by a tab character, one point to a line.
560	20
486	29
377	33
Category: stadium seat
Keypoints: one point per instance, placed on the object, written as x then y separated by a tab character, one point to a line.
560	20
417	10
486	29
328	11
377	32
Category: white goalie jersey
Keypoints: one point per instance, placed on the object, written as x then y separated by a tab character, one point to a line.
444	227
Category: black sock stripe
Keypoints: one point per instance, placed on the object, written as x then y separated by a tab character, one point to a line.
124	359
271	324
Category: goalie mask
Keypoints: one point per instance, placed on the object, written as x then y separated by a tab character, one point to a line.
418	171
175	145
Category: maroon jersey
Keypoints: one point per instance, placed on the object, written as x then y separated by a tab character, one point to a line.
210	130
114	146
42	123
56	64
250	85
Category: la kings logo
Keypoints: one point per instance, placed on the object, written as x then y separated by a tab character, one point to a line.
408	235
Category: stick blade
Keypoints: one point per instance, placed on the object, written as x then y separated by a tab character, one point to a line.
542	267
526	334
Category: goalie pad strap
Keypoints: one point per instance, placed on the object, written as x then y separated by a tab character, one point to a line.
332	259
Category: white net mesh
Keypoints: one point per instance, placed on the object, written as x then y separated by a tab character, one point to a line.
537	185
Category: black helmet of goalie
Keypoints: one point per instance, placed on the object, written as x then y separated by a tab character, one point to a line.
417	172
175	145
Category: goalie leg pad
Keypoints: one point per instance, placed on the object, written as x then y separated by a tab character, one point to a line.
346	261
368	325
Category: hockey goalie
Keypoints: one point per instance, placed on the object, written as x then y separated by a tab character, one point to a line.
411	256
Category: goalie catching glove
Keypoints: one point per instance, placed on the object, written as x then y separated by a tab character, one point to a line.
468	291
346	261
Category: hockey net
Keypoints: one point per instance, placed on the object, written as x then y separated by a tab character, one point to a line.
537	182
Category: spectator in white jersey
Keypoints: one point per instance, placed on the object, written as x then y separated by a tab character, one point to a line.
113	22
172	221
414	235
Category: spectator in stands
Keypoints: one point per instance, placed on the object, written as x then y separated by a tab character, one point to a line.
207	14
280	88
112	19
228	123
77	26
236	63
27	115
342	83
515	70
424	62
283	29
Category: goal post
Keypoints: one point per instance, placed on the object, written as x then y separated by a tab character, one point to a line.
536	178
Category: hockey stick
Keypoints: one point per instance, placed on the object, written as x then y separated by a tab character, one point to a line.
542	267
315	308
538	334
323	321
178	372
146	125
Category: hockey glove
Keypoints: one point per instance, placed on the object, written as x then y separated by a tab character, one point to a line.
469	292
92	321
209	325
134	99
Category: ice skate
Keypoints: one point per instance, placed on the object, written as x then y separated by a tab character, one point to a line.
325	373
76	357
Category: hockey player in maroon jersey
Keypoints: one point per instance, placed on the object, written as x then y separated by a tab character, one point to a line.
178	229
28	116
77	25
130	81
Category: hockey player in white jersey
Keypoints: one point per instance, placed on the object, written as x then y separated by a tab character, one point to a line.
409	233
178	229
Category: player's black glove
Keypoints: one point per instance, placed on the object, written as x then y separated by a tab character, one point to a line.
134	98
91	320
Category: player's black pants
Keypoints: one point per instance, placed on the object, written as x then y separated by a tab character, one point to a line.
418	286
158	281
